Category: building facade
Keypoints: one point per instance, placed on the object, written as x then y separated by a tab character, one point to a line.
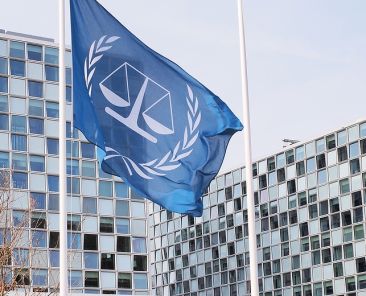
107	236
310	206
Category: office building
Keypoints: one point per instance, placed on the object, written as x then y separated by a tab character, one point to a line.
107	235
310	207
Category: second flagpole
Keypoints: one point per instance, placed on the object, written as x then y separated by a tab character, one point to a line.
62	152
248	157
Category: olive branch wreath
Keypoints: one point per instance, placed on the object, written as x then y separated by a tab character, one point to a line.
171	160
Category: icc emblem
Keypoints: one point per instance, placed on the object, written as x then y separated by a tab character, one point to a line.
142	99
135	88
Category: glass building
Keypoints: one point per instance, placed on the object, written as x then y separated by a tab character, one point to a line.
310	206
107	235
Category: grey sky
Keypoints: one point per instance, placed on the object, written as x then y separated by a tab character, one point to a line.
306	59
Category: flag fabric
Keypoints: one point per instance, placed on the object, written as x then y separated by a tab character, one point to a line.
162	131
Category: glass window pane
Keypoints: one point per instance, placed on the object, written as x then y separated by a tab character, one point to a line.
17	49
4	122
3	66
17	68
52	109
52	183
121	189
87	150
36	126
3	84
51	55
37	163
20	180
4	159
19	162
17	87
105	188
19	142
35	89
35	107
3	47
34	52
4	104
18	124
51	73
52	146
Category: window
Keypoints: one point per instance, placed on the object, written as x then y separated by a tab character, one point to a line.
88	168
122	208
124	280
37	163
17	49
74	240
342	153
22	276
344	186
348	251
51	73
91	260
354	150
34	52
72	166
3	66
123	226
20	180
106	225
39	239
35	89
91	279
54	258
4	159
360	265
17	68
74	222
51	55
139	263
3	103
52	146
300	168
53	183
121	189
281	176
38	200
53	202
4	84
107	261
52	109
140	280
89	205
18	124
91	242
54	241
19	142
354	166
87	150
19	162
105	188
123	244
35	107
36	126
4	122
291	187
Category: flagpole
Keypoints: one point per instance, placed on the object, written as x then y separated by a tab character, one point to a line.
62	152
248	158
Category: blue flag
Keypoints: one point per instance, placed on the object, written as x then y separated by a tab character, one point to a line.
162	131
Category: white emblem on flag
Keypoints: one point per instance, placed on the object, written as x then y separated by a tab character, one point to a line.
146	98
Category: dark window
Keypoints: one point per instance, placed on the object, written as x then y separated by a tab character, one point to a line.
361	265
354	165
334	205
106	225
90	242
262	181
4	84
54	240
304	230
228	193
124	280
306	275
123	244
324	224
326	256
320	161
107	261
293	217
139	263
271	165
290	158
342	153
356	198
363	146
323	208
91	279
346	218
281	176
300	168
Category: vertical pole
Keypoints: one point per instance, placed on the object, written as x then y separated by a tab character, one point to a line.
62	151
248	158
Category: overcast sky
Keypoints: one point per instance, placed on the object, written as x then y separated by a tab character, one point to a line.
306	59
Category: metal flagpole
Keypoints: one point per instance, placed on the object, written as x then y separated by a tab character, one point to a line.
62	152
248	158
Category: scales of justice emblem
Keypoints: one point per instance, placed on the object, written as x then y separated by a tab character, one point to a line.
143	98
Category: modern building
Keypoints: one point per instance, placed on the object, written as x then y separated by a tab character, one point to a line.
310	221
107	221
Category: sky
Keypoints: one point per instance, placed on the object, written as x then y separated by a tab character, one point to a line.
306	59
